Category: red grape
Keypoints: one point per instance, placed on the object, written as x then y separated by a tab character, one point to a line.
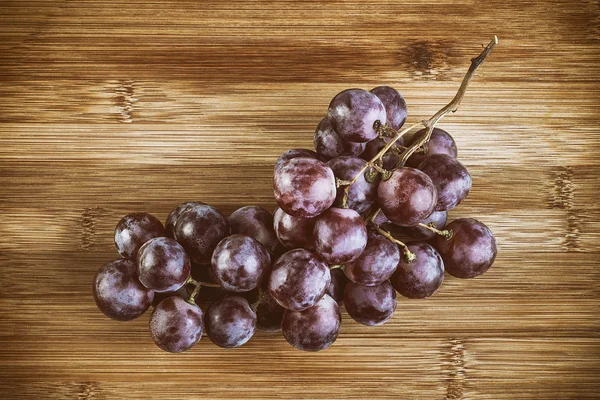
315	328
353	113
118	292
230	322
255	222
304	187
135	229
163	265
437	218
298	280
362	194
470	251
407	197
450	177
174	215
176	325
395	106
370	305
421	278
296	153
376	263
340	235
292	231
337	285
199	229
269	314
440	142
330	145
390	159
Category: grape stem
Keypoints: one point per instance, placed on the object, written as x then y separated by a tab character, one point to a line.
336	267
409	256
198	285
446	233
261	296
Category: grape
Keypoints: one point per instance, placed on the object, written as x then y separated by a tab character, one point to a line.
421	278
380	219
239	263
304	187
199	229
390	159
470	251
296	153
337	285
292	231
395	106
176	325
450	177
340	235
269	314
330	145
255	222
184	292
118	292
440	142
353	113
135	229
362	194
370	305
163	265
437	218
315	328
376	263
407	197
174	215
230	322
298	280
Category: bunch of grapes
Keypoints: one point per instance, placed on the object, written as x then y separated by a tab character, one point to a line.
327	244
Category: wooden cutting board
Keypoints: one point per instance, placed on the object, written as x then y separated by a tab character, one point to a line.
108	107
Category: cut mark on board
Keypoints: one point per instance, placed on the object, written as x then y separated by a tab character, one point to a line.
124	100
454	367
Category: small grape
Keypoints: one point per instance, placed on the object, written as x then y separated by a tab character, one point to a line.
255	222
376	263
135	229
340	235
395	106
315	328
407	197
362	194
298	280
304	187
118	292
390	159
470	251
421	278
269	314
296	153
199	229
450	177
174	215
292	231
440	142
176	325
330	145
353	113
163	265
230	322
337	285
437	218
370	305
240	262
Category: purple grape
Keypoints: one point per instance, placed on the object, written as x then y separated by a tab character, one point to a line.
407	197
390	158
163	265
330	145
269	314
421	278
340	235
255	222
298	280
440	142
337	285
370	305
395	106
174	215
135	229
118	292
315	328
470	251
376	263
230	322
239	263
199	229
353	113
304	187
380	219
292	231
176	325
437	218
450	177
362	194
296	153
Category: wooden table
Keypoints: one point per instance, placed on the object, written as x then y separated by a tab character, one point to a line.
108	107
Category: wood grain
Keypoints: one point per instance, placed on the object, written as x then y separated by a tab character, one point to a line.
109	106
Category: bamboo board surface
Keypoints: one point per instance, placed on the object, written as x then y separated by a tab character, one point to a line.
108	107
